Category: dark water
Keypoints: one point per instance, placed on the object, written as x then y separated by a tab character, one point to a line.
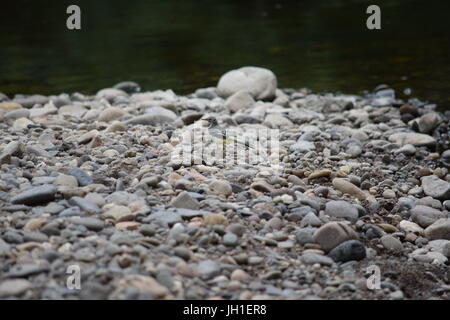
185	45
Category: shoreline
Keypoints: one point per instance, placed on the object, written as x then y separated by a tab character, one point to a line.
91	181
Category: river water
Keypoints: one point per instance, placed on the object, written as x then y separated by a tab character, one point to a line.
185	45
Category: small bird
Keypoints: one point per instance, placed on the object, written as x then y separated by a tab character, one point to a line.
215	130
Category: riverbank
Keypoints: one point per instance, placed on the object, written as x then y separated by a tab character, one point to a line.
92	181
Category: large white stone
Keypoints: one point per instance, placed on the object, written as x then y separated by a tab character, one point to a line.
259	82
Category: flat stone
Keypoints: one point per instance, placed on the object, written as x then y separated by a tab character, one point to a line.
349	188
208	269
332	234
438	230
35	196
85	205
342	209
65	180
111	114
435	187
416	139
313	258
425	216
90	223
185	200
391	243
15	287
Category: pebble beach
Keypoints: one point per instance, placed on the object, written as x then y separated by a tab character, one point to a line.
361	182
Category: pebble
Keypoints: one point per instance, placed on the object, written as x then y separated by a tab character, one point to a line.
332	234
425	216
348	251
230	240
216	219
83	178
35	196
391	243
208	269
438	230
90	223
435	187
14	287
186	201
342	209
220	187
349	188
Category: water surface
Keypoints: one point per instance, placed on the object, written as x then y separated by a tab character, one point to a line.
185	45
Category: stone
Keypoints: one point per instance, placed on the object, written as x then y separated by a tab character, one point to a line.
239	101
262	186
66	181
143	284
346	186
438	230
17	114
86	205
409	226
14	287
93	224
83	178
319	174
425	216
35	196
351	250
236	228
22	123
10	106
117	212
332	234
129	87
208	269
30	101
391	243
310	220
275	121
14	148
230	240
342	209
239	275
428	122
111	114
259	82
216	219
75	111
389	194
110	94
416	139
302	146
313	258
220	187
435	187
186	201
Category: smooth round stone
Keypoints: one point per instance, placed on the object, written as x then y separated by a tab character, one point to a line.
230	239
348	251
391	243
259	82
